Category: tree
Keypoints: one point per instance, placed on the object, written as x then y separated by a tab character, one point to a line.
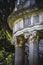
6	7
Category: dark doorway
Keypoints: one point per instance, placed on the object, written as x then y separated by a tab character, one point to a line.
41	52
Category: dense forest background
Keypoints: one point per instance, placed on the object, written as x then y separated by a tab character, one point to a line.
6	48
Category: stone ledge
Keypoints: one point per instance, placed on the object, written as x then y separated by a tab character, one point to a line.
28	29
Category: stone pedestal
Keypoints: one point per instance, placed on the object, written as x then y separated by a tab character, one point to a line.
33	49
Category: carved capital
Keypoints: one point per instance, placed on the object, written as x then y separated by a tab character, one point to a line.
34	37
19	40
26	35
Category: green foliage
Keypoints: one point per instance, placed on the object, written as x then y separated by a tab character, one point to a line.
6	57
6	7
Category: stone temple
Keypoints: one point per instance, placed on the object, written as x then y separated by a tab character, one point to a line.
26	21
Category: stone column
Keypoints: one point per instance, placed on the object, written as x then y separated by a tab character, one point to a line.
33	48
19	51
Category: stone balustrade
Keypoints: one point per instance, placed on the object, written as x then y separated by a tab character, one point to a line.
28	22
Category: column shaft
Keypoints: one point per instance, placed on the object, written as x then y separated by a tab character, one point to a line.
31	54
33	50
35	53
19	55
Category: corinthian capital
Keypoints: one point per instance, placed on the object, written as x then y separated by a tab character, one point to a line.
34	36
19	40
